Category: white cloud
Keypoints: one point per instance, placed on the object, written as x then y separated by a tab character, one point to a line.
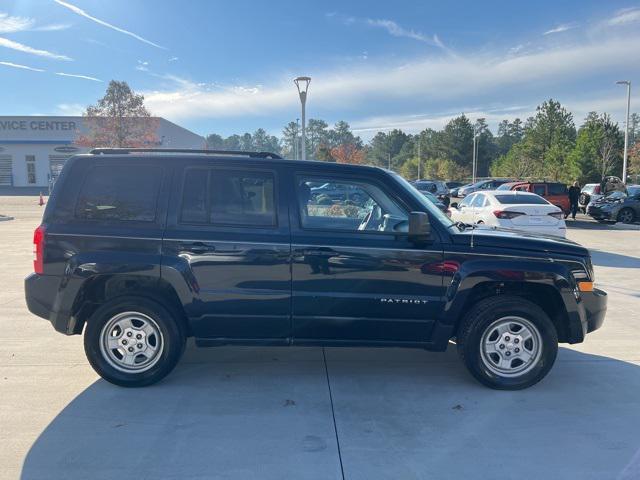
54	27
624	17
5	42
563	27
142	66
10	24
70	109
173	59
23	67
397	31
449	79
84	14
392	28
83	77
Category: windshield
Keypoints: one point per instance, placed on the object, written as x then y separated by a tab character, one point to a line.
422	200
521	200
615	195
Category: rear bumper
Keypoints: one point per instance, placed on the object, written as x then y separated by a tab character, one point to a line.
41	294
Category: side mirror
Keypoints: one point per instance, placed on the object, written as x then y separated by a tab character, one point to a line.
419	227
454	205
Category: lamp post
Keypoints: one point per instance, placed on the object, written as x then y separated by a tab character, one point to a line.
626	130
474	164
296	145
302	84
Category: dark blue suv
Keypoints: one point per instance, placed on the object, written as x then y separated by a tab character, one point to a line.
140	249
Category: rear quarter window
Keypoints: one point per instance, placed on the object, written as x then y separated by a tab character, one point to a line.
557	189
123	193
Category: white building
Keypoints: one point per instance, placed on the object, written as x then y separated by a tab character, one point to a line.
34	149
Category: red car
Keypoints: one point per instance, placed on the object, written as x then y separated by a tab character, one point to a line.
555	193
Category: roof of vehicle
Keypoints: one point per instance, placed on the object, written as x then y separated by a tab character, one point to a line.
259	157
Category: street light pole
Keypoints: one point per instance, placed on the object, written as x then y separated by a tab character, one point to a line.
302	84
419	158
475	155
626	130
296	145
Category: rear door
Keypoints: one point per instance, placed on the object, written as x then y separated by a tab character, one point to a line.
227	240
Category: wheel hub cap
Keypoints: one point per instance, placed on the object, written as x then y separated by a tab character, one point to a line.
131	342
511	346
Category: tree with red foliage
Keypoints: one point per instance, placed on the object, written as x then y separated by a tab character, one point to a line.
348	153
119	119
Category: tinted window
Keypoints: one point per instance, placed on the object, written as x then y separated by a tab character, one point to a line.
120	193
633	191
557	189
539	190
348	205
521	200
226	197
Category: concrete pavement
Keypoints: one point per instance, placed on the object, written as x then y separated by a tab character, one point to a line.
273	413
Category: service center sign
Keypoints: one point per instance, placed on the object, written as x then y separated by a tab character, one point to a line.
37	125
56	129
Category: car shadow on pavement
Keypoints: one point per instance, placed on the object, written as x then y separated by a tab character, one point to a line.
262	413
616	260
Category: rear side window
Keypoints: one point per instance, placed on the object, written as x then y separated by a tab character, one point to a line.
557	189
227	197
120	193
539	190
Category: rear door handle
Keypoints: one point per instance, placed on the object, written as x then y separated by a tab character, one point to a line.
197	247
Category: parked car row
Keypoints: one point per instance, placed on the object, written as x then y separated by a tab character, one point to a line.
617	206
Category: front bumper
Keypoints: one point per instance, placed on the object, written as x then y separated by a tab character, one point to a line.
594	305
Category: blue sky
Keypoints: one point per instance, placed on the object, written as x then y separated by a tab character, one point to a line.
227	67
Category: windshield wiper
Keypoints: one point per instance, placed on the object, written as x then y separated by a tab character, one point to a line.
462	226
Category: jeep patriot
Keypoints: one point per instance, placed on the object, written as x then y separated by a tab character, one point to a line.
140	249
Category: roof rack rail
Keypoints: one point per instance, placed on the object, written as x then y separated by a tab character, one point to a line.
126	151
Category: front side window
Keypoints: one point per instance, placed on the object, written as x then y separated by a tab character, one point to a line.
120	193
31	169
348	205
478	201
467	200
227	197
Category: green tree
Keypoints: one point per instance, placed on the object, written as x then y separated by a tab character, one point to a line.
317	134
291	139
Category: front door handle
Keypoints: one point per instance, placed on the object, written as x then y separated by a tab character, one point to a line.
197	248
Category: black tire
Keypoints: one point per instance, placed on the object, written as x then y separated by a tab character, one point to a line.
626	215
483	315
172	344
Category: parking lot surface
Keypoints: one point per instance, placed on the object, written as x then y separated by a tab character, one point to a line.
313	413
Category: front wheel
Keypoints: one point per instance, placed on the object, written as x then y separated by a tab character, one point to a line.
507	342
133	341
626	215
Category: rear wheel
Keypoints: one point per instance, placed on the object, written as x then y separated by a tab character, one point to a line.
626	215
507	342
133	341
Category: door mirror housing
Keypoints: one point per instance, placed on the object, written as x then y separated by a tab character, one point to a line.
419	227
454	205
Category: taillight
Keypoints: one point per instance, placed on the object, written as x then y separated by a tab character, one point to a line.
506	214
557	215
597	190
38	249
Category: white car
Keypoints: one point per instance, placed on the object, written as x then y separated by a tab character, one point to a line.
511	209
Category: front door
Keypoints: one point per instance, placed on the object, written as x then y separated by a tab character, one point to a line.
228	237
357	279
